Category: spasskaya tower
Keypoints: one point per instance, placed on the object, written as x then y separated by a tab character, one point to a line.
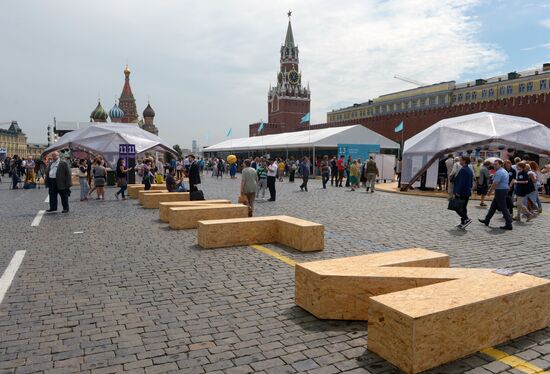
288	101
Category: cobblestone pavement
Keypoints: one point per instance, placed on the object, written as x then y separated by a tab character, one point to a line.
128	294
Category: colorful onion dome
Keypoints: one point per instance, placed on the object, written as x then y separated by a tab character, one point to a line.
99	114
116	112
148	112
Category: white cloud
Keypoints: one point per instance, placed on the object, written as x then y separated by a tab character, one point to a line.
545	23
207	65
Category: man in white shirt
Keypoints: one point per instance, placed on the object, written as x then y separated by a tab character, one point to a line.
271	178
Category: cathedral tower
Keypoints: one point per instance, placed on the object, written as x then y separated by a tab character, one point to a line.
288	101
127	102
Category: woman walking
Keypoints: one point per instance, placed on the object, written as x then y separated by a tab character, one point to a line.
354	175
100	177
83	179
462	190
262	179
523	187
121	181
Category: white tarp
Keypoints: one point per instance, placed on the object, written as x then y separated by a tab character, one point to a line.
329	138
104	139
471	131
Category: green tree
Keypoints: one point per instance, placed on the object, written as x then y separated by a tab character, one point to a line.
177	148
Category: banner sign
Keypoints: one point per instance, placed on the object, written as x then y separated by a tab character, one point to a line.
358	151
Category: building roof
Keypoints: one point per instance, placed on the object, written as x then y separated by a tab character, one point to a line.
328	138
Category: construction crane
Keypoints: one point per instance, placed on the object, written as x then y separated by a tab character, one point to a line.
409	80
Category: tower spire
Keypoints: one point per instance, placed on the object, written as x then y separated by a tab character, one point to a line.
289	40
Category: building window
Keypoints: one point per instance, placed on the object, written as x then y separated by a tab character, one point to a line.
529	86
509	90
459	98
491	92
474	95
521	88
502	91
467	96
484	94
543	85
432	101
454	98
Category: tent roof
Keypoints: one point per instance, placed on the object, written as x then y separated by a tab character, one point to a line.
105	138
330	137
480	128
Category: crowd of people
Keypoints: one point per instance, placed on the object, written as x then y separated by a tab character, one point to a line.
516	184
24	172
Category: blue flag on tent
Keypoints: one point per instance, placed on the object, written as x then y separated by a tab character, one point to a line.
229	132
305	119
399	127
260	129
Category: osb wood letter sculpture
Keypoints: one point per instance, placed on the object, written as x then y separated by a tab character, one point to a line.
424	316
305	236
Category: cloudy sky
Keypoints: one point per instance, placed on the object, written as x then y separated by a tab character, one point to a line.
206	65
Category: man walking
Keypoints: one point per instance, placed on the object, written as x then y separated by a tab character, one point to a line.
271	178
333	171
58	180
500	185
325	171
341	169
372	173
304	171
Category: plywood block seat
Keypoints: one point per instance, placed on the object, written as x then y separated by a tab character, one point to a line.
152	200
134	188
188	217
341	288
143	193
443	322
422	317
296	233
164	208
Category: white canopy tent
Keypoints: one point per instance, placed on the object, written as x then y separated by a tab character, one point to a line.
321	138
496	131
104	139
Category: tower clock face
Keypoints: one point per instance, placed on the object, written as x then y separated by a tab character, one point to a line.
293	77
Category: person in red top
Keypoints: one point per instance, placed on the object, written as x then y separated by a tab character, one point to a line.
341	169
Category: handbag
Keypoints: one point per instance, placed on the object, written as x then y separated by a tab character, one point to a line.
243	199
456	204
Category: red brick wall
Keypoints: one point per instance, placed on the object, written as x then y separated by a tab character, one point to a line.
536	107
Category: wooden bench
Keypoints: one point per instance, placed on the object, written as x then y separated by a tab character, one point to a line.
424	317
188	217
341	288
133	189
143	193
164	208
152	200
296	233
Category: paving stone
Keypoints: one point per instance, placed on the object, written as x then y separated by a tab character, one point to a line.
149	299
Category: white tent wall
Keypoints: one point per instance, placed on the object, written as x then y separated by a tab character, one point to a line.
104	139
467	133
307	139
